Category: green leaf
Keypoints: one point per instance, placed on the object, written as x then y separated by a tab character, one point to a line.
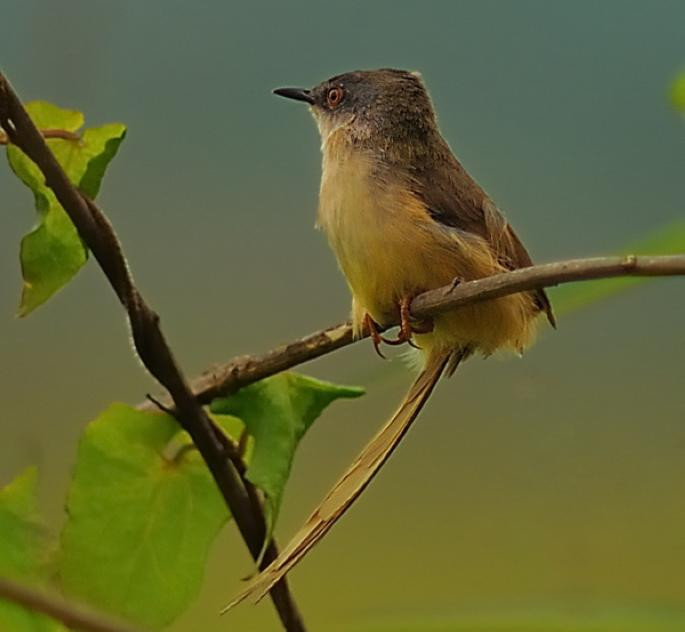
24	550
277	412
143	511
48	116
678	92
52	253
667	240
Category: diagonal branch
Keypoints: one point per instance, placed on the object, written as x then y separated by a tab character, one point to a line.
73	616
97	233
223	379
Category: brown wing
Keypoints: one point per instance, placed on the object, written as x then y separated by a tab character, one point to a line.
453	198
522	259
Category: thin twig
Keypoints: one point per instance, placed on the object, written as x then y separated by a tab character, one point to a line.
97	232
71	615
224	379
48	133
546	275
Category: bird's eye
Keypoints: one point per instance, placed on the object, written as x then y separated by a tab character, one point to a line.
334	97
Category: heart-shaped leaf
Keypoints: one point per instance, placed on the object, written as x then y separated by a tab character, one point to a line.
277	412
143	511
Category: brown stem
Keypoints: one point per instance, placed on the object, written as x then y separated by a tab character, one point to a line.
48	133
226	378
73	616
153	350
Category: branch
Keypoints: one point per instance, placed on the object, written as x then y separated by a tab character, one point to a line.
69	614
48	133
223	379
97	233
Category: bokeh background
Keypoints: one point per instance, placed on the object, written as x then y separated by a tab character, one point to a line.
555	482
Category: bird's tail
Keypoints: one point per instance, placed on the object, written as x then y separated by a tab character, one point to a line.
355	479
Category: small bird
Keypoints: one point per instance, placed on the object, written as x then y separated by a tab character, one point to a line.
403	216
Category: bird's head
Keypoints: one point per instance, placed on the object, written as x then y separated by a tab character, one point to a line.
378	106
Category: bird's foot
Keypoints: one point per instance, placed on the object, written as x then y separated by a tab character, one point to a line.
371	327
409	326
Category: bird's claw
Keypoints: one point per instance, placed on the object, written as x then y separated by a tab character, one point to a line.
406	329
405	332
372	327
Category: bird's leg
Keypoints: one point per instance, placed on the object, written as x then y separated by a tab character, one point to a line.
406	328
371	326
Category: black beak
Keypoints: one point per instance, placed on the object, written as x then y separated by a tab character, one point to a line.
298	94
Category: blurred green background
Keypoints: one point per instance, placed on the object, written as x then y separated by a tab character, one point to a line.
552	483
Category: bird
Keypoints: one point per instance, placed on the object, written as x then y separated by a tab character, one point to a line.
403	216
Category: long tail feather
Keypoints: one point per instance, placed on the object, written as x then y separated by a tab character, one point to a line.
354	481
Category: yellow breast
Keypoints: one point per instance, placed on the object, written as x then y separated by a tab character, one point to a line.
388	248
380	233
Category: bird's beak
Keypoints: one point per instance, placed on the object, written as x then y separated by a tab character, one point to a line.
298	94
